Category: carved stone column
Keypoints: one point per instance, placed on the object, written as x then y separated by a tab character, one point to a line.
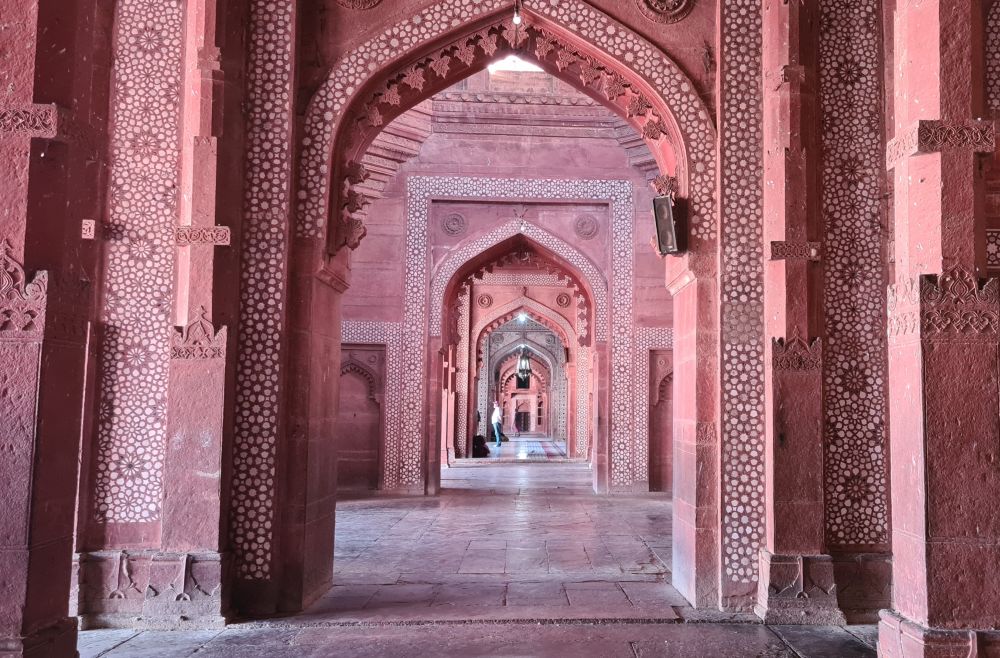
944	345
796	582
34	549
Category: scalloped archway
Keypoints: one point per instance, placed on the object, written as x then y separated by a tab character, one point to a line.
452	39
590	276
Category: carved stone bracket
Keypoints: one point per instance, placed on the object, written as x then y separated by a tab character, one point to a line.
199	339
187	236
926	136
22	303
30	121
665	185
781	250
797	355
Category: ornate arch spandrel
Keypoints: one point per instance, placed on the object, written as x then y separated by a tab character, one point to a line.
601	57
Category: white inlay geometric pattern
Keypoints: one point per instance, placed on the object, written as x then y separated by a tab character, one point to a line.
422	190
139	262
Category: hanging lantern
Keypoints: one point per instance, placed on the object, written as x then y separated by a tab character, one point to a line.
523	364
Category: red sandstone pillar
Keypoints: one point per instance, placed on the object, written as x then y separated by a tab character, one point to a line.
600	379
51	168
944	334
695	432
796	576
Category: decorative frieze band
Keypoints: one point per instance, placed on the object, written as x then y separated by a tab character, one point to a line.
781	250
187	236
149	589
933	136
199	339
796	355
30	121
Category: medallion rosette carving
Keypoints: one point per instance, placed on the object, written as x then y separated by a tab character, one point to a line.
665	11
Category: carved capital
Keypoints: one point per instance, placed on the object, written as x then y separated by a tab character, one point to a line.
22	302
797	355
199	339
932	136
959	304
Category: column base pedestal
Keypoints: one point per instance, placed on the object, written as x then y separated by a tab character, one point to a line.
56	641
797	589
898	637
152	590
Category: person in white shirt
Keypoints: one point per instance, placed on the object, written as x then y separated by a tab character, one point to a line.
497	420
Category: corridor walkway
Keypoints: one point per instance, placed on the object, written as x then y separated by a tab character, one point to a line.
522	449
511	560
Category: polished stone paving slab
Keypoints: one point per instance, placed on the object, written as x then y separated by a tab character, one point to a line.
511	560
480	640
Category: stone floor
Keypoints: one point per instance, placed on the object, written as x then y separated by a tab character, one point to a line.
520	450
511	560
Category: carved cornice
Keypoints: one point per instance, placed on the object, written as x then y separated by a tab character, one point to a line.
22	302
199	339
514	98
796	355
782	250
187	236
932	136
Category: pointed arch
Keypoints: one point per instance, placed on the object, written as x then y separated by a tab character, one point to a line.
535	310
589	274
452	39
355	367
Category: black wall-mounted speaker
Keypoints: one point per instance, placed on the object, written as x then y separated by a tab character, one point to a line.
669	234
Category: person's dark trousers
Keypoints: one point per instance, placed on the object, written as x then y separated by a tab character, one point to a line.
496	431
